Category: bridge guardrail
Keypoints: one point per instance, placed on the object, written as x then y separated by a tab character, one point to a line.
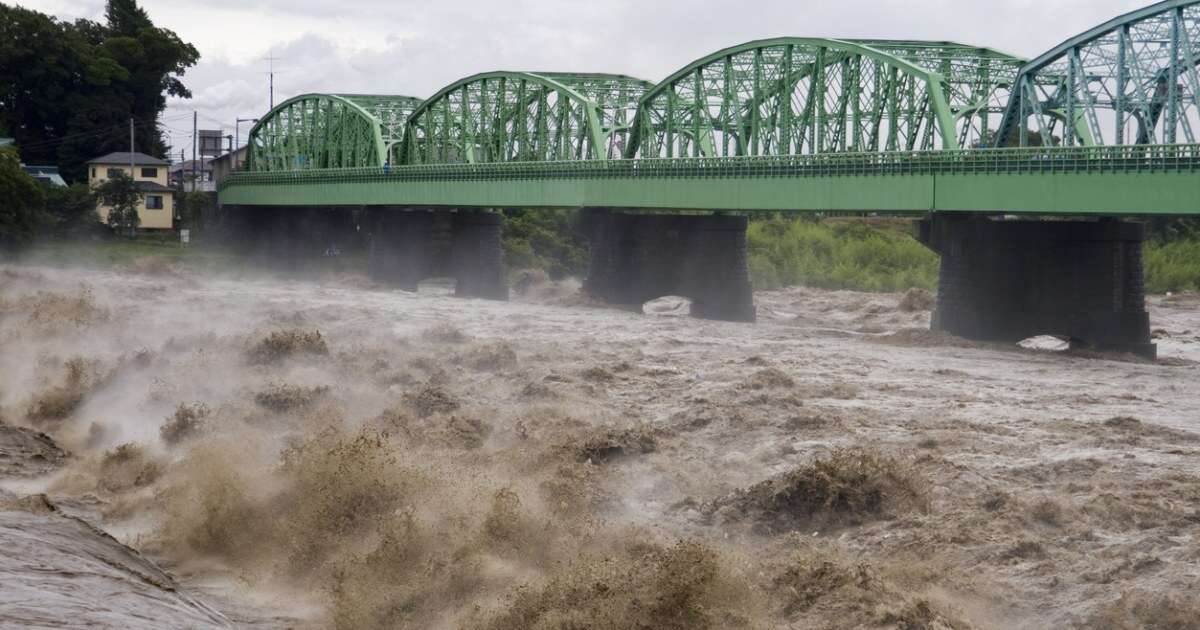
1116	158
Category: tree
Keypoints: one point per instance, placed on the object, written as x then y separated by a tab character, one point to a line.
68	90
120	193
71	211
547	240
196	209
21	202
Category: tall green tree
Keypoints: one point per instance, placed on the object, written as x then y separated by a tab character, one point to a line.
68	90
21	203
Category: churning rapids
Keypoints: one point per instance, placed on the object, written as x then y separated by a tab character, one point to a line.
190	451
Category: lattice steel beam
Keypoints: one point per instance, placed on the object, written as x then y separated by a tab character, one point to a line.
1131	80
800	96
316	131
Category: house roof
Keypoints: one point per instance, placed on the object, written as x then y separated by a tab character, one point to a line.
48	174
6	141
240	152
145	186
123	157
200	165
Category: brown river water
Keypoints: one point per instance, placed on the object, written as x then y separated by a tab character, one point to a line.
194	451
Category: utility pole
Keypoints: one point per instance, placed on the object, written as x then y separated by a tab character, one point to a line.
195	139
131	147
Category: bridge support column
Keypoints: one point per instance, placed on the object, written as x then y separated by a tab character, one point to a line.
639	257
1011	280
410	245
477	255
402	250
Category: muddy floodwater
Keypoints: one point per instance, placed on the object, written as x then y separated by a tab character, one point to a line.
180	450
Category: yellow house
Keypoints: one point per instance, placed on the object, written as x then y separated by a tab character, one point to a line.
157	208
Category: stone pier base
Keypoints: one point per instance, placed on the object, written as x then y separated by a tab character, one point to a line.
636	258
1007	280
410	245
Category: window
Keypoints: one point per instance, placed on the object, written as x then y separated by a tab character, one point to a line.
154	202
113	172
150	172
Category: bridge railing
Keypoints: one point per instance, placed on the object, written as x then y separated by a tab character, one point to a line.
1096	159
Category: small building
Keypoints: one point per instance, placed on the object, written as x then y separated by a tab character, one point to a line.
228	163
6	142
157	208
193	175
48	175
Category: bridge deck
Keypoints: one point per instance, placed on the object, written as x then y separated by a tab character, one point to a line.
1107	180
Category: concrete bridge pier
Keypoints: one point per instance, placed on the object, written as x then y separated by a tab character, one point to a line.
477	255
636	258
408	245
1009	280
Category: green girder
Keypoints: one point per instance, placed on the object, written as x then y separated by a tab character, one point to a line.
794	95
315	131
522	116
392	112
1131	80
1110	180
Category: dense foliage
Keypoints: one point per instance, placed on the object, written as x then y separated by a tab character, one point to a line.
71	211
1173	267
545	239
120	193
68	90
22	200
196	209
838	254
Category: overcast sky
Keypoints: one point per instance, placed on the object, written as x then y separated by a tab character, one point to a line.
415	48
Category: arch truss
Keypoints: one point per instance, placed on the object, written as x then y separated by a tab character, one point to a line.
522	116
1132	80
314	131
804	96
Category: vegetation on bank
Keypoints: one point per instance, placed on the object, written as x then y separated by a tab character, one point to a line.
1173	266
857	254
550	240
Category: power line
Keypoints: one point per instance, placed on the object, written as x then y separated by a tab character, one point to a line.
78	136
82	135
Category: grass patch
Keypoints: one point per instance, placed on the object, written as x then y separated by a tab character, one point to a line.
856	254
106	253
1173	267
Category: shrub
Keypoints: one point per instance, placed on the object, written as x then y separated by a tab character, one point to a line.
545	239
22	201
838	254
1173	266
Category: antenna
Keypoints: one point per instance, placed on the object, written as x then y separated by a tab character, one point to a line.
271	59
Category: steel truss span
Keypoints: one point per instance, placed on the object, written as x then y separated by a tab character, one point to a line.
318	131
523	117
799	96
1132	80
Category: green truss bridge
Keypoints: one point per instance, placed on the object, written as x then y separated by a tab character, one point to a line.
1099	128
